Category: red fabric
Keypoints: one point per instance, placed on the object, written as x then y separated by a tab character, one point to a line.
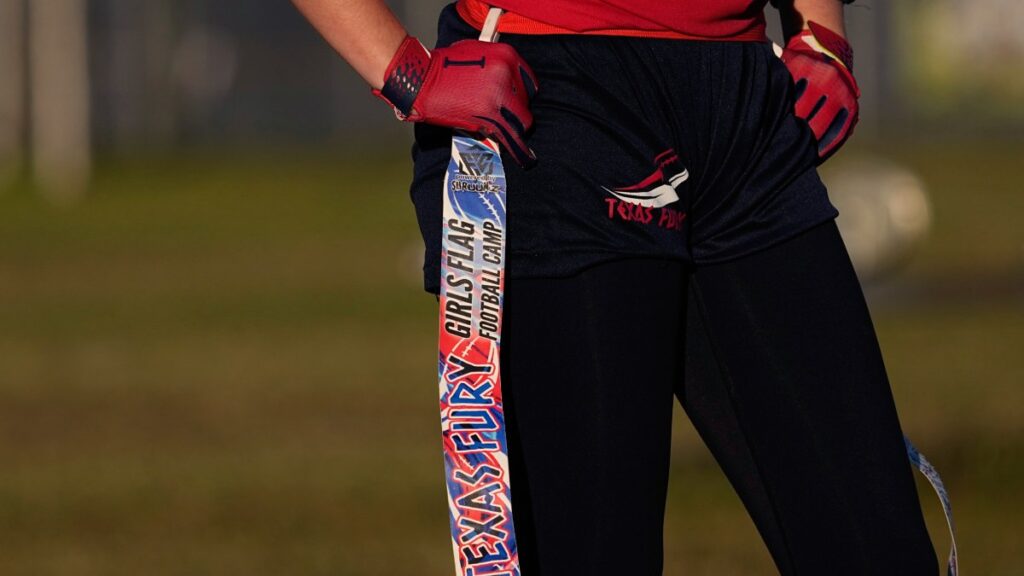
704	19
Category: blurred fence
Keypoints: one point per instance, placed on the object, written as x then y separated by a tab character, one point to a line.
131	75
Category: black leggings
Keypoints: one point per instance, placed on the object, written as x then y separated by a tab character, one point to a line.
775	360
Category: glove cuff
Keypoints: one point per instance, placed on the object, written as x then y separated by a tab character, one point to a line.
405	76
824	41
835	44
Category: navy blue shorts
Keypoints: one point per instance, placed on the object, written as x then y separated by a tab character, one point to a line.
646	147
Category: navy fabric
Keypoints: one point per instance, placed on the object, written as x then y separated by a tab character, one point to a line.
775	360
614	112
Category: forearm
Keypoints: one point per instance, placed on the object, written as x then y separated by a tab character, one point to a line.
796	13
365	32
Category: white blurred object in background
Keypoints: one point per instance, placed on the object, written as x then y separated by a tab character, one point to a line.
884	213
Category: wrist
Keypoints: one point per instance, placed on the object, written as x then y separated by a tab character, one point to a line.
794	15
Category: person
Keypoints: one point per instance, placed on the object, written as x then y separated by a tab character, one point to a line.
668	236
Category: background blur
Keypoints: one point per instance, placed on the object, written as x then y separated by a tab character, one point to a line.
216	358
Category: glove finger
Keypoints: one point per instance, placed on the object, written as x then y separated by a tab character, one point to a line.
521	153
822	119
799	87
529	80
517	114
527	157
836	130
510	141
808	105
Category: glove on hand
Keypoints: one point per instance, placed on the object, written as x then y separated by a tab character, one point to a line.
475	86
821	63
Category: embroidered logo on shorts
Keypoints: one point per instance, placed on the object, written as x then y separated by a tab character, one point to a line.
655	190
647	201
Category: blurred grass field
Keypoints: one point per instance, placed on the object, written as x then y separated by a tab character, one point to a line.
224	365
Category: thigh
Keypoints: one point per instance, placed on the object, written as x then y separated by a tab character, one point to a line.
588	364
790	391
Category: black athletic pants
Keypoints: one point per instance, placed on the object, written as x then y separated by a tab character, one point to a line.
775	360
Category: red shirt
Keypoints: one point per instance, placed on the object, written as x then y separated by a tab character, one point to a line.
695	19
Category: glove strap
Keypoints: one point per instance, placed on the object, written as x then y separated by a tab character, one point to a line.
405	76
821	39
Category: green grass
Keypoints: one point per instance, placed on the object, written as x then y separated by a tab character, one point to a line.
222	366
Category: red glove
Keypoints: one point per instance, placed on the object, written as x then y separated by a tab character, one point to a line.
821	63
475	86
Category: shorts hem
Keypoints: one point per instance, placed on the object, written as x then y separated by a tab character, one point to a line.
754	248
561	264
